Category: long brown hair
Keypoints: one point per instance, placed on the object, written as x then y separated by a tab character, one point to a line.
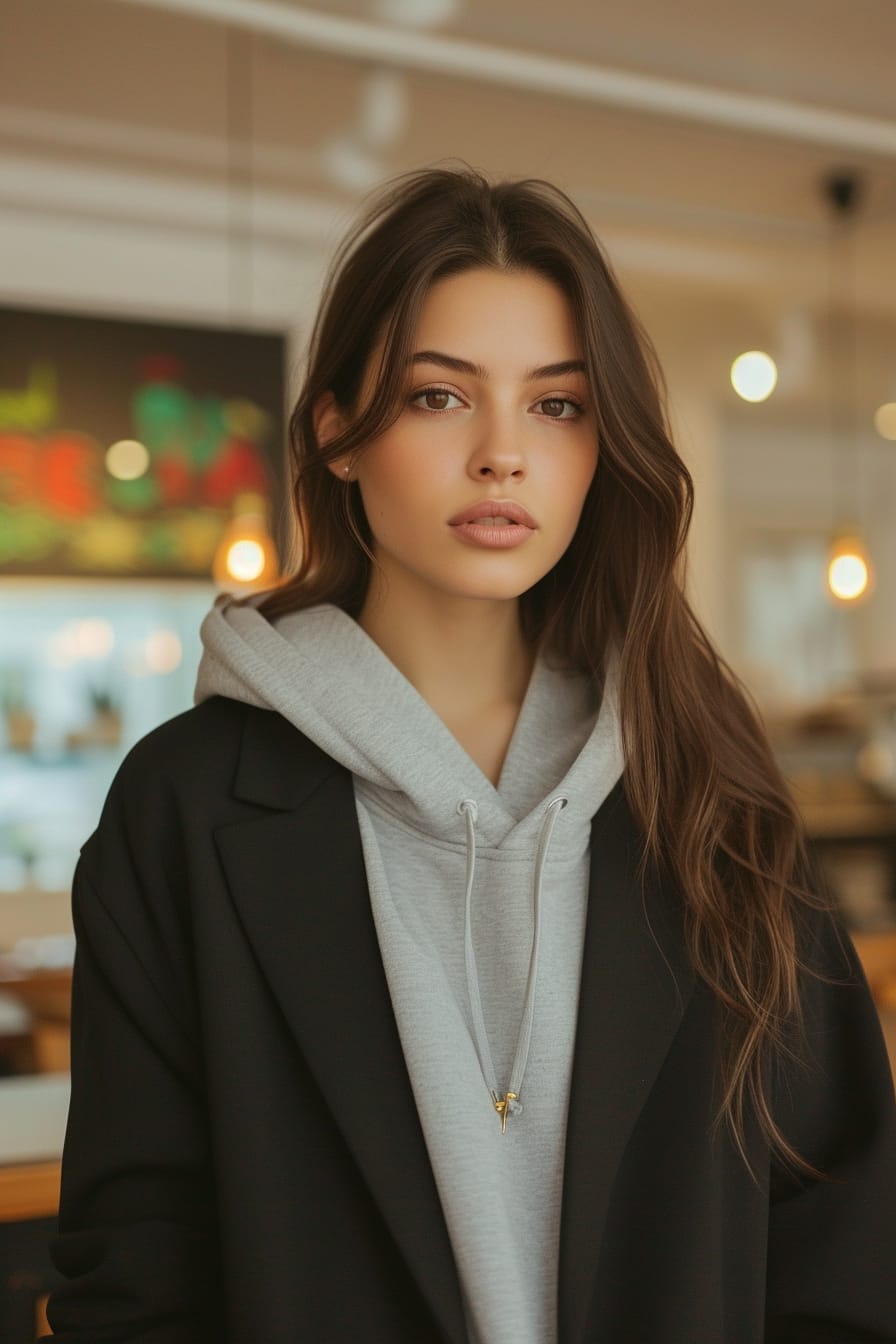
700	777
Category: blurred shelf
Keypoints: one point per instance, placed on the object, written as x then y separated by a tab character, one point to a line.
65	756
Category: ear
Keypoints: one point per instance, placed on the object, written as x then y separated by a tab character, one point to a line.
329	422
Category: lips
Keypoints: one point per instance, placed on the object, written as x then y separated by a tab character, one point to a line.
494	512
493	525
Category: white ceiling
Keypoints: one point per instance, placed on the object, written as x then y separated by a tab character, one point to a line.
111	109
825	53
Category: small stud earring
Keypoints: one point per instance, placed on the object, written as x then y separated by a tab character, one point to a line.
345	469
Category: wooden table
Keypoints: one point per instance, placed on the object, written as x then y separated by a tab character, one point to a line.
29	1190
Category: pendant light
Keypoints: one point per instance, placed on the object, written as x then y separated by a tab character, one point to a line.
246	556
849	571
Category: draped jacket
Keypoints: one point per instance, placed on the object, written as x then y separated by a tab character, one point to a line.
244	1161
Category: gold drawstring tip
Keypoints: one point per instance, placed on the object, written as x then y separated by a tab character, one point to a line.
502	1106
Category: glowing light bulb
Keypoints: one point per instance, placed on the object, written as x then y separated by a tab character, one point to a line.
848	571
754	375
246	553
245	560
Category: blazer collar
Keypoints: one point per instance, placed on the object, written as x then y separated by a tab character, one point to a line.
278	766
296	874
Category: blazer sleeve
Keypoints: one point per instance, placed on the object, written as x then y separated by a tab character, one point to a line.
832	1241
136	1235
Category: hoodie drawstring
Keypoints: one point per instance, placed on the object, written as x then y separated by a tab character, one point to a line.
509	1103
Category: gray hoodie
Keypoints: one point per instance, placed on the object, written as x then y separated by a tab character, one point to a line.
478	896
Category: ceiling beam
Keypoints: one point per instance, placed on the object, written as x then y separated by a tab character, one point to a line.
459	58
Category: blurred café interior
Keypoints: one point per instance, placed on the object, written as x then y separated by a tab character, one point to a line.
173	177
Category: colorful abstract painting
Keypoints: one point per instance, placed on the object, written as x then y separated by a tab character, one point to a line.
127	447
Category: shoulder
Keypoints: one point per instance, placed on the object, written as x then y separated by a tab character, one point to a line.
212	729
196	750
212	766
206	765
202	745
183	776
190	755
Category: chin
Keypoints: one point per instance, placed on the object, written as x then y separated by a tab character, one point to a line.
483	578
491	582
484	590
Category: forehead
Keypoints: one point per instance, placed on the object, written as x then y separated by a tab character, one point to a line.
499	319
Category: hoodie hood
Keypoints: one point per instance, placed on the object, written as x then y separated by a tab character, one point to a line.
323	673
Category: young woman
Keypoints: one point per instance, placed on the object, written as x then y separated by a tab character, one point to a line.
452	970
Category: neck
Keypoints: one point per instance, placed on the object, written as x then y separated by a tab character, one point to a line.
464	656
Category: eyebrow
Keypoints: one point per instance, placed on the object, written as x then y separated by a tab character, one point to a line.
558	370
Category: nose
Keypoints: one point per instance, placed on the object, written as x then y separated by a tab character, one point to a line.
497	454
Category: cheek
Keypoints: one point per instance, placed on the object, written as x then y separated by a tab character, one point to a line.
572	480
397	485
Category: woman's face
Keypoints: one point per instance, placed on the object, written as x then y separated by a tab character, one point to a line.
496	419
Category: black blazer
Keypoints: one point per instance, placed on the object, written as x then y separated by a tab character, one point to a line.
244	1161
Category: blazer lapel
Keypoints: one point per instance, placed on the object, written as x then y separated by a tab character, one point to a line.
636	981
298	881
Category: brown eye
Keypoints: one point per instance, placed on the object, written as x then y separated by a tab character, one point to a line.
435	399
560	408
